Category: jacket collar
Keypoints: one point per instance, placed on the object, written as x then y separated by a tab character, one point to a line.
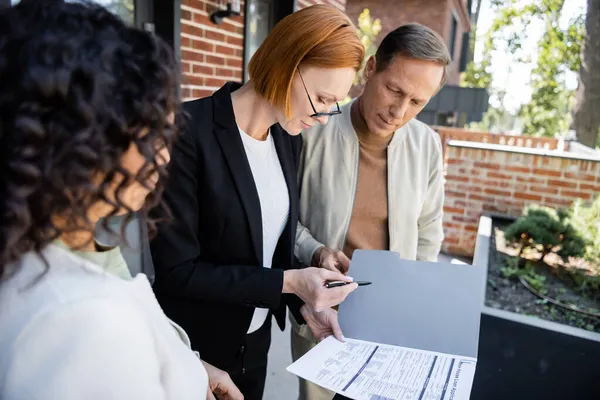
228	136
223	107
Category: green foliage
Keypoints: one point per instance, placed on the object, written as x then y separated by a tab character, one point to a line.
549	111
477	74
585	283
368	30
511	270
586	219
546	230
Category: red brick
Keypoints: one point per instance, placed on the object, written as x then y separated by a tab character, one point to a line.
191	56
203	70
215	60
593	188
212	35
235	63
185	67
485	199
496	192
203	45
235	41
451	240
483	182
225	72
466	220
560	183
186	42
469	189
214	82
478	164
450	193
457	178
527	196
202	19
530	179
200	93
231	28
557	202
185	14
518	169
576	195
580	176
225	50
543	189
193	80
453	161
471	228
450	225
192	30
454	210
495	209
546	172
496	175
195	4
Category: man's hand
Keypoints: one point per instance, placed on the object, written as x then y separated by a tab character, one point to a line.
221	384
333	260
322	324
309	285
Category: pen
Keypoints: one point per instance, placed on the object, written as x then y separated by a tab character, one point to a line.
333	284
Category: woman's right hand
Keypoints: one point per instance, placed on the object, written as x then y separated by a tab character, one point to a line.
309	285
220	384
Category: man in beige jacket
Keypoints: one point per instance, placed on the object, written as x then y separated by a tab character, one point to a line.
372	178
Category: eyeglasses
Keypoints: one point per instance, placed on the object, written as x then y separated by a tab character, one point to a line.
318	114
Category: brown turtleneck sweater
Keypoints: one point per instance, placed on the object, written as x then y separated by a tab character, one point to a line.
368	228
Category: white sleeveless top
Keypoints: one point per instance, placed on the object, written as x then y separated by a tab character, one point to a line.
274	202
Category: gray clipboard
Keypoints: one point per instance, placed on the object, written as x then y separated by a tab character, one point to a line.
423	305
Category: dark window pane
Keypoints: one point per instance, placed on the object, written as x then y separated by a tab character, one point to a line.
259	23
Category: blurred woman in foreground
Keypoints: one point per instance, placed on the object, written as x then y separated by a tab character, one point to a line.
87	109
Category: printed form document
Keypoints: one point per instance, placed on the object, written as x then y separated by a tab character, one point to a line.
412	334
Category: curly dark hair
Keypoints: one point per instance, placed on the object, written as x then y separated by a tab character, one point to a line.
77	88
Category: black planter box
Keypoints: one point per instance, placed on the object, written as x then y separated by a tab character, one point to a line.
522	357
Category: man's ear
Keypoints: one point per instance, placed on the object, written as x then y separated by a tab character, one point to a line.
370	68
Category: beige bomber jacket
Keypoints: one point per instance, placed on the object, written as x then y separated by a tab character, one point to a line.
328	176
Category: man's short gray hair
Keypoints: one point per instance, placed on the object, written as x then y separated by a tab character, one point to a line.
414	41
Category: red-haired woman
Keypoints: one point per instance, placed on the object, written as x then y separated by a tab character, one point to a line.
227	262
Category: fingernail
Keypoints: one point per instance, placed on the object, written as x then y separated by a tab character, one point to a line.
349	278
343	338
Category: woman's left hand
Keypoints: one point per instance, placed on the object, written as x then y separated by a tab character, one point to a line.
221	385
323	323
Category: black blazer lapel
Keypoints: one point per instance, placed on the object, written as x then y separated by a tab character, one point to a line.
286	159
228	136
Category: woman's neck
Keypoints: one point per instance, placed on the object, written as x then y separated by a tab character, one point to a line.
82	240
253	114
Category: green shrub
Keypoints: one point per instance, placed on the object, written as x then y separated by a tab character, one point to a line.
546	230
587	221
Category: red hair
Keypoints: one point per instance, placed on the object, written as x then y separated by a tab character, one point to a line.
318	36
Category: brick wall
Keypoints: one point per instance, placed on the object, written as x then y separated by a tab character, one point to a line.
466	135
210	54
436	14
501	179
214	54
